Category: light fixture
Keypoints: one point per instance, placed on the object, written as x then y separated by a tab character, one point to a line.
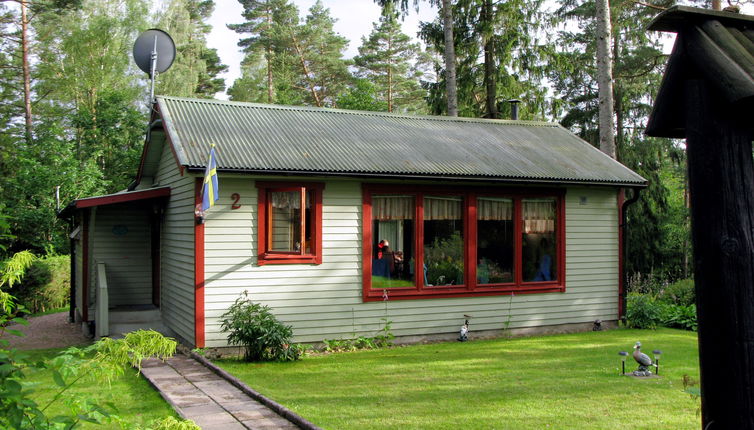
623	355
199	213
657	353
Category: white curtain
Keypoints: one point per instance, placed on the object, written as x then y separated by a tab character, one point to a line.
443	208
386	208
490	209
288	200
539	215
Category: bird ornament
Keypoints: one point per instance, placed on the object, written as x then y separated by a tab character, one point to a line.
643	360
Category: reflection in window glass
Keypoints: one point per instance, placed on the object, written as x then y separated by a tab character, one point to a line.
393	241
286	225
495	240
539	248
443	240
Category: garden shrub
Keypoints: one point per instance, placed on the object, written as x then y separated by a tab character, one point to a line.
679	316
643	311
680	293
46	284
254	327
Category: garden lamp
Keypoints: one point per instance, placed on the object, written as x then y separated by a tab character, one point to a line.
657	353
623	355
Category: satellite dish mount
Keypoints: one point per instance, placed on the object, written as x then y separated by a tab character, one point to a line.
154	52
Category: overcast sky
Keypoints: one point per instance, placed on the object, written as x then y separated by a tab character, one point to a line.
354	20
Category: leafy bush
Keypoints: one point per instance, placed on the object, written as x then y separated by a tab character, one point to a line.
643	311
680	293
254	327
46	284
678	316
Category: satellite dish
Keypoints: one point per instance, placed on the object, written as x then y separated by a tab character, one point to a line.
157	43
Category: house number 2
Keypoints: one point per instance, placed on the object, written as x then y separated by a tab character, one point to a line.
236	197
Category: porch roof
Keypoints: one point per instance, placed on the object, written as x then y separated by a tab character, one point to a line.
109	199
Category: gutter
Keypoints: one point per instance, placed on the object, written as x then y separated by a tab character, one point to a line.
623	281
419	176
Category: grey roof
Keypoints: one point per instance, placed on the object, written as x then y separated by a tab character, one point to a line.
283	139
717	46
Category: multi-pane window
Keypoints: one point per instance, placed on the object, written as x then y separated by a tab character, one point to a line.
290	223
431	242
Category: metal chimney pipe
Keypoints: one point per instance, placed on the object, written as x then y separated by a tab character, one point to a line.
514	108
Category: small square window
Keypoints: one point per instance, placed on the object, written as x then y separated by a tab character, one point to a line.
290	223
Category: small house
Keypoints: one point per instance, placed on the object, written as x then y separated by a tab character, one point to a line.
342	221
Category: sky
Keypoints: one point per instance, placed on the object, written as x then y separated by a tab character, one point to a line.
354	20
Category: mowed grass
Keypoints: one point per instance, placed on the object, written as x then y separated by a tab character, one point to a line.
554	382
136	401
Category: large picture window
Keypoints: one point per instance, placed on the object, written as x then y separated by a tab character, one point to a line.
434	242
290	223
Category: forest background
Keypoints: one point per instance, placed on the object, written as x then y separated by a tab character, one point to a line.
73	105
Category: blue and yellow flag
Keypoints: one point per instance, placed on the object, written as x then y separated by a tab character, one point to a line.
210	189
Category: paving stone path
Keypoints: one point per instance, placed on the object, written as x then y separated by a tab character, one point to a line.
198	394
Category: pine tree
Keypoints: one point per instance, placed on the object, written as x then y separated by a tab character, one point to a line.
513	60
267	25
388	59
196	67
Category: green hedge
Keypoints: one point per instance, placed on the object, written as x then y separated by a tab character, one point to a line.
46	284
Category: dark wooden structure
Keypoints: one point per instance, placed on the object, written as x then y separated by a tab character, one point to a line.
707	96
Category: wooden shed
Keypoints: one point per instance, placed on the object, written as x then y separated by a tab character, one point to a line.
340	220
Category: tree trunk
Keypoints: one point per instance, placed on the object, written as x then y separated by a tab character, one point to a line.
450	58
605	78
270	93
26	71
490	81
721	181
390	76
307	74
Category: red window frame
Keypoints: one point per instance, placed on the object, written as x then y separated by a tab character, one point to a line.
471	288
264	254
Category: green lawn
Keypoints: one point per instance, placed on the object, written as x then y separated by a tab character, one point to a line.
136	400
558	382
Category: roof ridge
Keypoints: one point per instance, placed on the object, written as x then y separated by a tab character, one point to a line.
360	112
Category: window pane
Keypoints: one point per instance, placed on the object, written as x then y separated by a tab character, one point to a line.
285	221
393	241
495	241
539	247
443	241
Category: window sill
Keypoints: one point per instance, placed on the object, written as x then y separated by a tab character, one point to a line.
288	259
440	292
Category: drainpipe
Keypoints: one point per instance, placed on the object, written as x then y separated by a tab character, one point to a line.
624	252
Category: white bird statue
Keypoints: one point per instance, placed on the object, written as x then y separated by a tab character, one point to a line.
641	358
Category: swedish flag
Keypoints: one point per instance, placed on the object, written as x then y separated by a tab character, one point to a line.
210	189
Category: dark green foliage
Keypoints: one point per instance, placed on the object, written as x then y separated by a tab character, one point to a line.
46	284
254	327
679	316
680	293
362	96
643	311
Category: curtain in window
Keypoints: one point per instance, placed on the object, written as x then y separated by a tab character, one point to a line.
489	209
289	200
539	216
443	208
385	208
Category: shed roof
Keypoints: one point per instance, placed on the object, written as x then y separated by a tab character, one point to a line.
714	45
304	140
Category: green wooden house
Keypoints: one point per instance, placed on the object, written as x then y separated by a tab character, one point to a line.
340	220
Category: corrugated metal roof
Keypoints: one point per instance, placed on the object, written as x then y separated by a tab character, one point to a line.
715	45
274	138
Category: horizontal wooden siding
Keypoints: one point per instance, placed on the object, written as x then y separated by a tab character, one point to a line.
324	301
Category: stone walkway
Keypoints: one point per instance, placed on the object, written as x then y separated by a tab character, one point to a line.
199	394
